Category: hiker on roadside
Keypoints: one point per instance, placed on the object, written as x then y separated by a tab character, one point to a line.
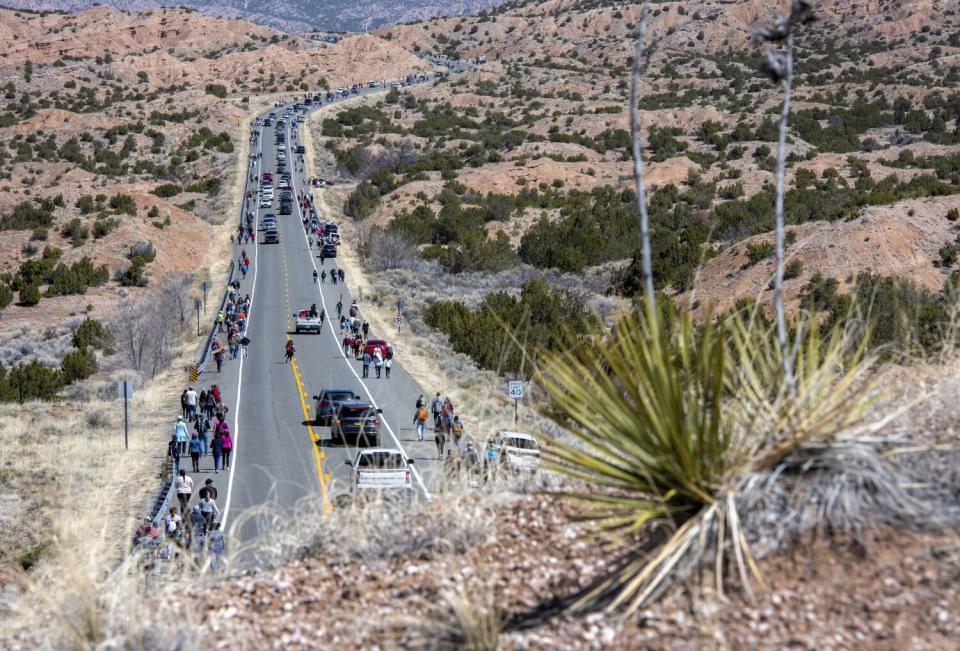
184	488
197	533
244	342
377	361
208	490
203	431
216	447
217	349
340	273
420	419
227	446
340	309
437	406
366	364
456	432
365	328
387	365
209	510
216	547
173	451
180	431
183	403
195	449
323	276
191	397
289	351
440	438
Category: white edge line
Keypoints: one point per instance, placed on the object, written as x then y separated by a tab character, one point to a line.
253	290
416	473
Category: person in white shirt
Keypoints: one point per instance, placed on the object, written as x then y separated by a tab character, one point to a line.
184	486
191	398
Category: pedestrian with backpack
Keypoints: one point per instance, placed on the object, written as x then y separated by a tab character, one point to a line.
387	365
420	419
437	409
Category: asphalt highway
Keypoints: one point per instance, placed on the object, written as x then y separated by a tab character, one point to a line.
280	456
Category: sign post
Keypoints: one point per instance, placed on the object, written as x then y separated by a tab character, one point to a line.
204	286
197	303
125	390
399	318
515	391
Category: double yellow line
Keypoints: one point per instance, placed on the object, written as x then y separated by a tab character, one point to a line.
318	455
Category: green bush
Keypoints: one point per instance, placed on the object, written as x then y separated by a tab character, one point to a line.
93	334
757	251
793	269
27	215
30	295
6	295
217	90
123	204
505	332
75	231
78	364
167	190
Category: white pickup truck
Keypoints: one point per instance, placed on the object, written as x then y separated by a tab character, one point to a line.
380	469
303	322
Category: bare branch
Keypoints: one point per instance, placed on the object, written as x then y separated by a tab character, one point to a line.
639	63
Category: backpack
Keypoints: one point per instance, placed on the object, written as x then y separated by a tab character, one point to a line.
171	524
421	414
457	428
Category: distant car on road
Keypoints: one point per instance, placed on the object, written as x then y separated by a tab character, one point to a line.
375	344
303	322
271	236
328	402
515	451
358	422
380	469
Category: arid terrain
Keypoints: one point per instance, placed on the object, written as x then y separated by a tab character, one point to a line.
499	205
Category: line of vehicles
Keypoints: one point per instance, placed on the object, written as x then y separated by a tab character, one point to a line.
353	421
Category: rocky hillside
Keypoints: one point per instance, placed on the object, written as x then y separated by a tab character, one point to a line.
305	15
121	132
526	144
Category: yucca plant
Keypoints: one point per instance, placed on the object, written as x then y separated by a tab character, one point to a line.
671	428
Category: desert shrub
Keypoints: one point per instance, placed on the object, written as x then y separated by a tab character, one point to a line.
953	214
27	215
29	295
123	204
135	275
86	204
91	333
167	190
217	90
757	251
75	231
6	295
76	278
209	185
104	226
78	364
505	330
38	235
793	269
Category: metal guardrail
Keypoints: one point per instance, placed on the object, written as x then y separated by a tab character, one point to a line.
169	473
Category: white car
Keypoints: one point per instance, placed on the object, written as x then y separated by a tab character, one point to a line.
382	469
516	451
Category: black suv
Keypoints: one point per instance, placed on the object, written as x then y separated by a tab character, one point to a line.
357	421
329	251
328	402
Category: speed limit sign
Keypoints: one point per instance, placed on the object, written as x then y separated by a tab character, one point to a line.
515	389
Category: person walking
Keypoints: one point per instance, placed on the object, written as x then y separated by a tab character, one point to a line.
244	342
208	490
437	410
387	364
314	276
420	419
340	273
203	433
365	328
440	438
209	403
227	446
183	403
180	431
184	488
456	432
196	534
173	451
323	276
191	398
340	309
195	449
357	345
216	547
216	447
209	511
366	364
289	351
377	361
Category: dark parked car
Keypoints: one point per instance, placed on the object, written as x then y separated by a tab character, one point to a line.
357	422
328	402
286	208
329	251
301	149
271	236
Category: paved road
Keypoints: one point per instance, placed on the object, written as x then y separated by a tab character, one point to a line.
280	456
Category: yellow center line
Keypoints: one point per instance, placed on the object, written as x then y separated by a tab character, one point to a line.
318	455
